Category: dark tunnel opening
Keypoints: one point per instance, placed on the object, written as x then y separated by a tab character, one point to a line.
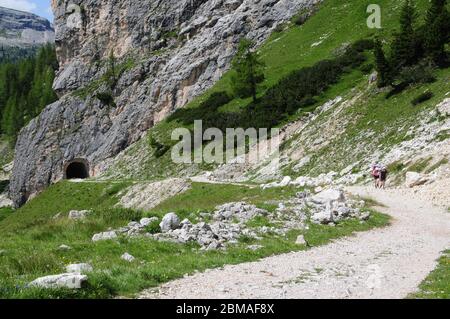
77	170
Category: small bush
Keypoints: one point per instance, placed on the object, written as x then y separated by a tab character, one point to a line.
422	98
106	98
160	149
110	216
300	19
416	74
206	109
153	228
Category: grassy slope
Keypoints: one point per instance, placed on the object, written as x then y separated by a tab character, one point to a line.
437	285
31	236
337	23
387	121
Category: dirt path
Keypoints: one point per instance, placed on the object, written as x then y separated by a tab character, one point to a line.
383	263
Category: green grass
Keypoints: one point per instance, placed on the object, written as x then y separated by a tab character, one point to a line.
205	197
386	120
30	238
420	165
435	166
335	24
5	212
437	284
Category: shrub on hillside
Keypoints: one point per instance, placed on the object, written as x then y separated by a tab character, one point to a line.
209	106
422	98
297	91
416	74
106	98
160	149
153	228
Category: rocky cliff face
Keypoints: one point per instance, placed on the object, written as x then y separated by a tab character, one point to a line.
168	52
23	29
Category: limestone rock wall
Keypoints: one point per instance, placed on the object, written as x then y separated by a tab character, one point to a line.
168	52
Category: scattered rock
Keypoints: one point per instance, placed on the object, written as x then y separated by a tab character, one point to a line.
127	257
365	216
78	215
104	236
79	268
240	211
170	222
255	247
147	221
186	224
64	248
414	179
5	201
301	240
322	217
329	195
69	281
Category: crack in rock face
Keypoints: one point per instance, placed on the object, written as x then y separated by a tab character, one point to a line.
167	53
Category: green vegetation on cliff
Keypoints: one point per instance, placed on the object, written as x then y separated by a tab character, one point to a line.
290	51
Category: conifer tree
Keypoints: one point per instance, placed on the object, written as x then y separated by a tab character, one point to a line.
382	65
249	71
405	50
437	31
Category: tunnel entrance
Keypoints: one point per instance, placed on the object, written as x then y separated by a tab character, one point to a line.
77	169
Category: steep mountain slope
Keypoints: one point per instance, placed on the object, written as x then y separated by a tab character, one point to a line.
168	52
353	124
22	31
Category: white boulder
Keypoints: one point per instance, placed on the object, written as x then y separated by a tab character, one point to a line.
329	195
323	217
285	182
414	179
5	201
128	257
64	248
301	240
104	236
78	215
147	221
70	281
170	222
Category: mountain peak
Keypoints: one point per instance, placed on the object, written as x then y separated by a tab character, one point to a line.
24	29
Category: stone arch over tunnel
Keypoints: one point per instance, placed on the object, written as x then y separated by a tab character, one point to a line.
76	169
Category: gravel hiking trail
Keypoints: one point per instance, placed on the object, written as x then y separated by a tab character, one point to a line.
389	262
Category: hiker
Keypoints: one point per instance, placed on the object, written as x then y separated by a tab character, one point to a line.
375	172
383	177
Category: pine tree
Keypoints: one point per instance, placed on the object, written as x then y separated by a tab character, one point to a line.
405	47
249	71
25	89
382	65
111	77
437	31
